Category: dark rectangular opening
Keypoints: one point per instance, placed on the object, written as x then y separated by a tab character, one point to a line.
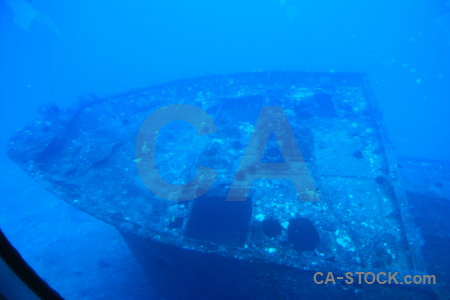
213	219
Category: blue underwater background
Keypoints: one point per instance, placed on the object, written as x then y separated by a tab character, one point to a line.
58	52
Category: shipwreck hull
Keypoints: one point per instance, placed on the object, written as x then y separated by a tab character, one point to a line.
272	243
180	273
427	186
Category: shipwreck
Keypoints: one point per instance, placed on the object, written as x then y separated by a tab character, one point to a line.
352	215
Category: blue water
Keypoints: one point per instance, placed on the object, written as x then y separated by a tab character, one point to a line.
58	52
